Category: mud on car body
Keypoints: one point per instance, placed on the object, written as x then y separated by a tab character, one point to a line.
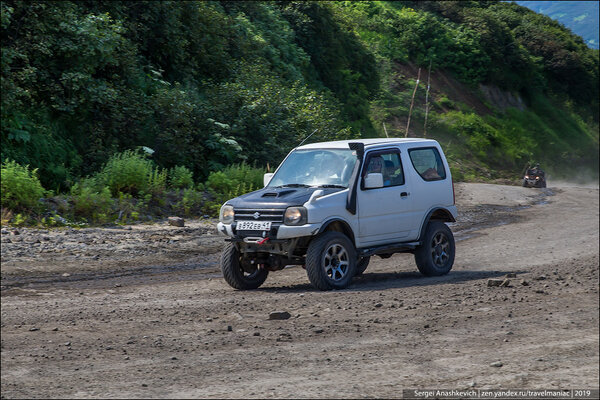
331	206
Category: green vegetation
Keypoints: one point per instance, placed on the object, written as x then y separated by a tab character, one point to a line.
181	177
21	188
164	106
92	200
501	45
579	16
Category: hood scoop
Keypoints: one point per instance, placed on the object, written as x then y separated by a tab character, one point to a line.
278	194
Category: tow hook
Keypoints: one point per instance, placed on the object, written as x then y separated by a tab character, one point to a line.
262	241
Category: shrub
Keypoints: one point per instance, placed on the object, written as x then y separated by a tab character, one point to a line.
219	182
126	205
157	182
190	202
21	188
233	181
90	203
235	175
127	172
181	177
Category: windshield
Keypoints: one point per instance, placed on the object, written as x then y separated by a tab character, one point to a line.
328	168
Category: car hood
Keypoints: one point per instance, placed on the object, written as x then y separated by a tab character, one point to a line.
277	197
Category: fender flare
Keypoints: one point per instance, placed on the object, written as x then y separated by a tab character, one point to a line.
344	228
437	214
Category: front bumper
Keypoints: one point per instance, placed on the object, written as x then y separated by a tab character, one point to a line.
276	232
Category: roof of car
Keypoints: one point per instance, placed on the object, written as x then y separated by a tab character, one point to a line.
343	144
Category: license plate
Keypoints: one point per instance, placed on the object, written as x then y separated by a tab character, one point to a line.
253	225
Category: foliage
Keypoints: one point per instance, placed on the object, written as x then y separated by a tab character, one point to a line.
128	172
581	17
180	177
233	181
157	182
89	203
339	59
191	202
210	84
234	176
21	188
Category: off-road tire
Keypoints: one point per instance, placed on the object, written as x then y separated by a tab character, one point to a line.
319	267
234	274
361	265
435	256
525	183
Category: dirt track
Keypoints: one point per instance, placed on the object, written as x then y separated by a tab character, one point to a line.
144	312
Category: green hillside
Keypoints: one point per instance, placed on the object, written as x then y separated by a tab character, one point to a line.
208	84
579	16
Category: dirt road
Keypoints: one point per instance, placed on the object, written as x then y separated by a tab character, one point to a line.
143	312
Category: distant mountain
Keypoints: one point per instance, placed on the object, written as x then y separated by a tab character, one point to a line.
579	16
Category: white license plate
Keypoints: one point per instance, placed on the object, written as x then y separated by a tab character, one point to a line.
253	225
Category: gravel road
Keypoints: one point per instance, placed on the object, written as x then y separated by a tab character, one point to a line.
142	311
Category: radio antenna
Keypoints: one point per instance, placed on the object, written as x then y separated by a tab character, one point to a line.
306	138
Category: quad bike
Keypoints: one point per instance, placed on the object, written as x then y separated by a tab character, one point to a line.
534	177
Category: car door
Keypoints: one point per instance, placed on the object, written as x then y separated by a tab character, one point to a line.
384	213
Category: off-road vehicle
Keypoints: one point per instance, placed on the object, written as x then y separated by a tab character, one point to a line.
534	177
331	206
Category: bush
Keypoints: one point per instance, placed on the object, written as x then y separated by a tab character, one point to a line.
90	203
190	202
181	177
233	176
157	182
128	172
233	181
21	188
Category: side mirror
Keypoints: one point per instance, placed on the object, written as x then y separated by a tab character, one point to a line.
267	178
373	180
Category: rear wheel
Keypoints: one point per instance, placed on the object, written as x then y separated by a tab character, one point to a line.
240	275
435	256
331	261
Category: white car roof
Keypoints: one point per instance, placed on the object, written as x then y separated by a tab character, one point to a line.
343	144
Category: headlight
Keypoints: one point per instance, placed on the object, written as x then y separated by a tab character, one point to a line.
226	214
526	176
295	216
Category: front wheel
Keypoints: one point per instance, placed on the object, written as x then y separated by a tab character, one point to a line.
238	276
435	256
331	261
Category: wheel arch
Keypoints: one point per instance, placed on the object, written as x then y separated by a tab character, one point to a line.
338	225
436	214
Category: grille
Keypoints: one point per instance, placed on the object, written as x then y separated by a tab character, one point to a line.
265	215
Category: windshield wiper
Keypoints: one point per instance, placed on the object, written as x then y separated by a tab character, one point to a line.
334	186
293	185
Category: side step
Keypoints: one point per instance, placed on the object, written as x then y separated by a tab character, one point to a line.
388	249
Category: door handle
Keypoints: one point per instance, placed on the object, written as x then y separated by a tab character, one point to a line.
404	194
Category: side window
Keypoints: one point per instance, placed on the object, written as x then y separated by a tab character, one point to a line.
428	163
388	164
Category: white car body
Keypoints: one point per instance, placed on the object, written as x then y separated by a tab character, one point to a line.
384	215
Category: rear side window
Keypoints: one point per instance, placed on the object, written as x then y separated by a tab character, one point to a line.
428	163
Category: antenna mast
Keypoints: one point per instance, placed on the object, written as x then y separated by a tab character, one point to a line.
306	138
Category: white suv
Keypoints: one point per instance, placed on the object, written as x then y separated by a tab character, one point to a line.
330	206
